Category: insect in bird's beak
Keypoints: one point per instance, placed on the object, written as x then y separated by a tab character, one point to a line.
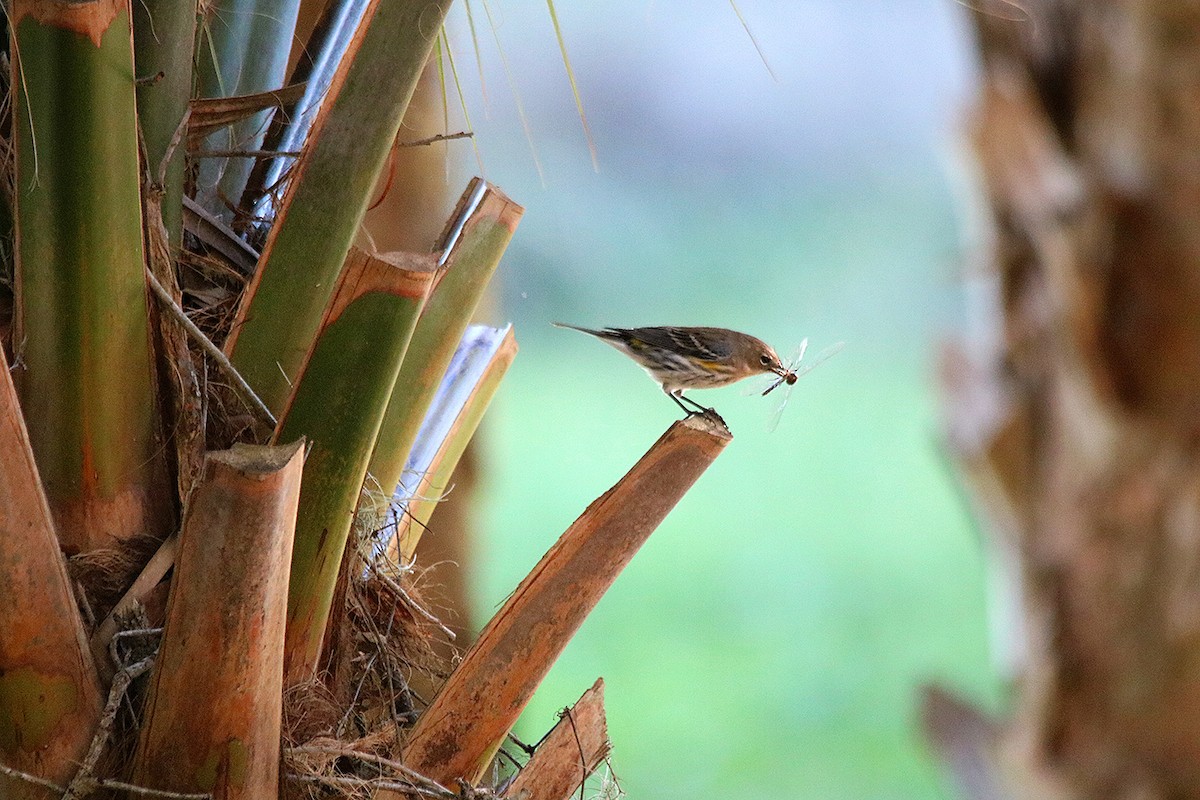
789	377
785	376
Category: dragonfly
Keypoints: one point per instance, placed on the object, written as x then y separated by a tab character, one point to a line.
795	371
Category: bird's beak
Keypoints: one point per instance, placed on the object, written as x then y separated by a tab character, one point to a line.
788	376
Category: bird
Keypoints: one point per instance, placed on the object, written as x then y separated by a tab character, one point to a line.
682	358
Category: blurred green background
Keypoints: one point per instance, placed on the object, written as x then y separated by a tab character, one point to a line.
768	640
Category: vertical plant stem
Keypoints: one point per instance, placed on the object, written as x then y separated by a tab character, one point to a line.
81	298
50	695
338	405
446	433
213	714
163	33
478	235
244	48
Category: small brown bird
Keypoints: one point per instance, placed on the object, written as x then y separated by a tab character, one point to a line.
679	359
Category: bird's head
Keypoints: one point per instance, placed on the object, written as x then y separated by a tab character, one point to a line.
761	357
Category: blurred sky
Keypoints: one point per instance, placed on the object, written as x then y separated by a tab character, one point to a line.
768	639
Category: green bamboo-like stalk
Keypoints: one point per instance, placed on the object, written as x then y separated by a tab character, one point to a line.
448	429
338	405
328	193
81	298
487	220
49	690
243	49
163	33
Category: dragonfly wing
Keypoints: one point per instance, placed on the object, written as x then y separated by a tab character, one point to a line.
822	357
777	413
760	386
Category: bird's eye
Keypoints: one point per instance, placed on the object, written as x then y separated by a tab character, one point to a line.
765	360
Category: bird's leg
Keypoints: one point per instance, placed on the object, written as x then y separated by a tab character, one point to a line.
680	399
699	408
677	399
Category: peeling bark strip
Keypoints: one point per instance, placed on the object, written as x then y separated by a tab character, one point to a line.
87	18
457	736
569	753
49	693
213	713
211	114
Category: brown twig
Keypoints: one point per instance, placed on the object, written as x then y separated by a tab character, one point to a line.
150	576
239	383
415	777
441	137
85	781
34	779
465	792
101	784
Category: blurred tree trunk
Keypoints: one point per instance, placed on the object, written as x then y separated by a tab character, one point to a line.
1076	410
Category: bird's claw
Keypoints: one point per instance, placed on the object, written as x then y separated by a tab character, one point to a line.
710	413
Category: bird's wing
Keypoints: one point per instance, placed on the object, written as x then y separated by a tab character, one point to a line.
689	342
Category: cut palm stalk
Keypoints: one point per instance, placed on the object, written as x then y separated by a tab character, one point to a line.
569	753
479	231
243	50
212	720
163	33
457	736
470	382
82	331
338	406
50	697
328	193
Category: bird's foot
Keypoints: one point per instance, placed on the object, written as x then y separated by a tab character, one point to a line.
709	413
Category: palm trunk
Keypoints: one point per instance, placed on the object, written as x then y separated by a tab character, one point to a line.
1079	425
